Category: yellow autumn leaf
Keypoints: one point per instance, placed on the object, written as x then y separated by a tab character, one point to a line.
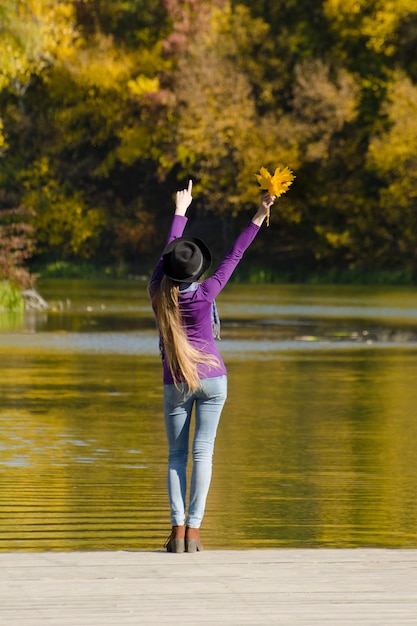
277	184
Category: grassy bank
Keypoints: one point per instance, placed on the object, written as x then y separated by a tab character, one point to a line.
64	269
10	297
245	274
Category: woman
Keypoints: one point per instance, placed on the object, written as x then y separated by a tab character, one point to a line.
194	373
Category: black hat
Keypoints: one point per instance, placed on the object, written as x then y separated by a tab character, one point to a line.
185	259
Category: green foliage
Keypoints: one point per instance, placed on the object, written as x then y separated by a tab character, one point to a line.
65	269
10	297
63	221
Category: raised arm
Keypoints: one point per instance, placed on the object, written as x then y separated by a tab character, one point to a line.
213	285
182	202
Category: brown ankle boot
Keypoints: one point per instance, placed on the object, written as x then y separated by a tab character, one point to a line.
192	540
176	542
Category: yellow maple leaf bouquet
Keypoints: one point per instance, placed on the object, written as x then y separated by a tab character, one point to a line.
275	184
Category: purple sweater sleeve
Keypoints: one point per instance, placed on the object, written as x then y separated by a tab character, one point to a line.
178	225
213	285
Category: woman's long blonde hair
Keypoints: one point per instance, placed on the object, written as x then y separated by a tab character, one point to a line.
181	356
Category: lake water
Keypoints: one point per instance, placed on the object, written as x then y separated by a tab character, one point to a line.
316	446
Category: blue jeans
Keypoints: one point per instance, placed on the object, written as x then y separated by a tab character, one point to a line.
209	402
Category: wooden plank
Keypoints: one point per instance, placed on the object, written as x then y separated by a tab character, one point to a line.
291	587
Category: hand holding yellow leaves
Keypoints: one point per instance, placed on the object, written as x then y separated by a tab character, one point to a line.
277	184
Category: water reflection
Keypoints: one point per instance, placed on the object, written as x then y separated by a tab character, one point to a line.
269	313
81	453
316	446
329	451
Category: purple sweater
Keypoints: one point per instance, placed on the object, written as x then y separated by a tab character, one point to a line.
196	306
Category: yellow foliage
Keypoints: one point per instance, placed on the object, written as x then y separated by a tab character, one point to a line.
13	64
143	85
340	9
3	141
376	20
135	142
334	239
393	154
63	220
380	26
344	15
323	102
277	184
99	63
393	151
34	34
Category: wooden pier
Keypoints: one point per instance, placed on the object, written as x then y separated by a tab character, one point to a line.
254	587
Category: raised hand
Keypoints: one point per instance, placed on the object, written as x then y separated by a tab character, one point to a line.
267	201
184	199
264	209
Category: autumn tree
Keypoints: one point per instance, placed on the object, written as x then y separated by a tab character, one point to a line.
221	137
32	33
107	107
392	158
98	125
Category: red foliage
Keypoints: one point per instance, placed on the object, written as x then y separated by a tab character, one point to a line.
188	18
16	246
